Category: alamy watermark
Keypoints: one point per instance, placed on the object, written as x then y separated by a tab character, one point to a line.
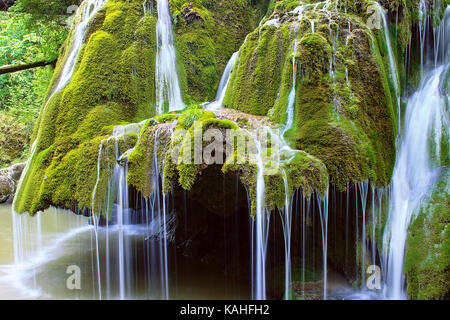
374	20
374	280
72	11
73	282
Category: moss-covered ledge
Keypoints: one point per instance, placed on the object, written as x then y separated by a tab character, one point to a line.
178	134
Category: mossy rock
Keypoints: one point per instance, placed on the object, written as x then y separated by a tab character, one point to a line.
427	257
207	34
343	109
112	84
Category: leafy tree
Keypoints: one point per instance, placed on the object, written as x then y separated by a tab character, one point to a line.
30	31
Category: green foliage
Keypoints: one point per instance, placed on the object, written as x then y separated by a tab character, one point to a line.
13	139
24	39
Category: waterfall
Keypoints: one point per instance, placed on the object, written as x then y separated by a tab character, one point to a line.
122	208
262	220
292	93
87	11
323	212
363	191
168	92
415	173
160	212
393	70
157	228
286	220
306	213
223	85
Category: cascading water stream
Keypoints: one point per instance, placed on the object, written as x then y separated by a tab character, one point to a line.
286	219
87	11
119	179
416	169
262	220
363	192
292	93
159	212
168	92
393	70
413	174
224	81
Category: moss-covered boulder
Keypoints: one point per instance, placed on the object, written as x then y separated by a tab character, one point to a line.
343	110
183	147
112	83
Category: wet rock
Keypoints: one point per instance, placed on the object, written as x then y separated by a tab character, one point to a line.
15	171
9	178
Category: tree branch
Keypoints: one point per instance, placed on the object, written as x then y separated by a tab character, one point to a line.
21	67
5	4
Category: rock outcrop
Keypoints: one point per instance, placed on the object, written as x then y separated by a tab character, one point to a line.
9	178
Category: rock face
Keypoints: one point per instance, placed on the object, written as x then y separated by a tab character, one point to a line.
9	178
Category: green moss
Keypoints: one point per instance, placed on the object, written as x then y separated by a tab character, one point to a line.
187	167
113	83
254	84
427	257
207	34
343	115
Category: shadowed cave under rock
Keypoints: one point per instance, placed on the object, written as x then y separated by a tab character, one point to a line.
211	231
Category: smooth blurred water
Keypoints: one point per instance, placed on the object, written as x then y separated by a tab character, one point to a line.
223	85
67	239
417	165
168	90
